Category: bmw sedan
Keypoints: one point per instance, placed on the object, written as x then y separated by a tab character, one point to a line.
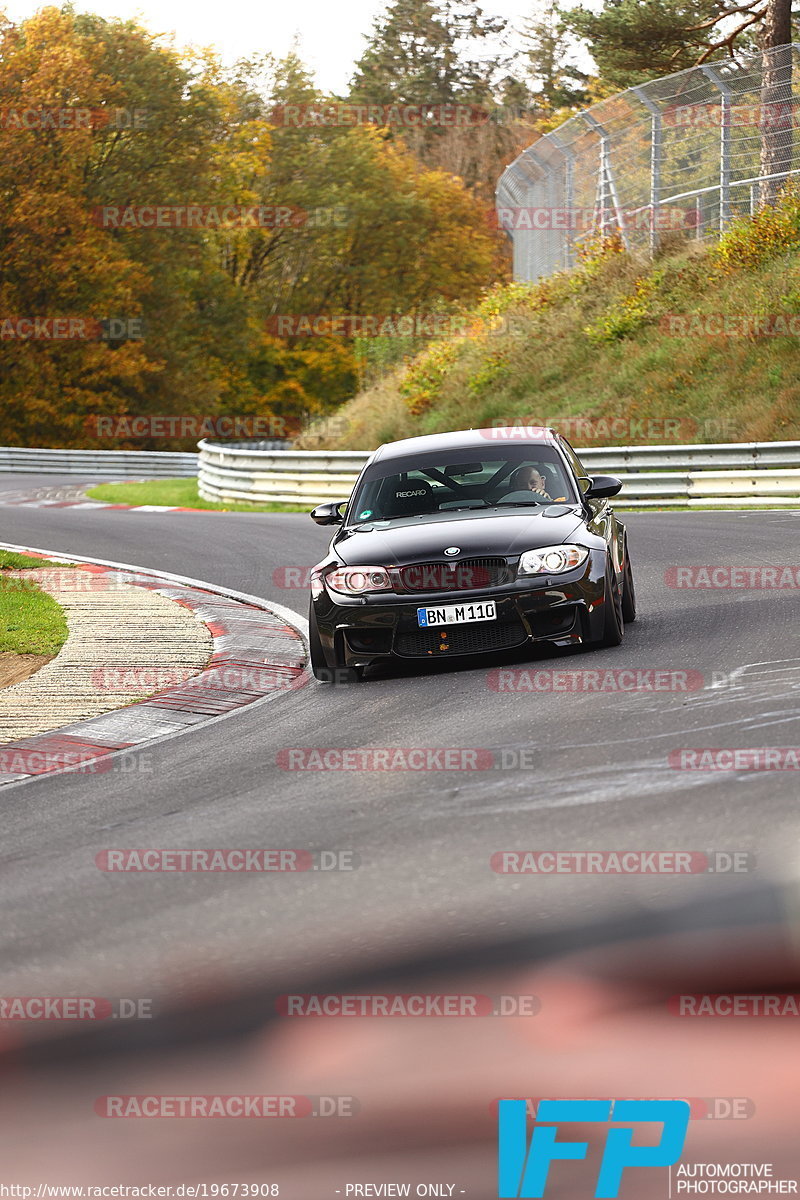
469	543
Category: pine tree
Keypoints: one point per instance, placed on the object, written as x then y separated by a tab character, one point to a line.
553	77
632	41
424	52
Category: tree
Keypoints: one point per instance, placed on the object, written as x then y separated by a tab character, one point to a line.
776	99
555	79
632	41
408	239
57	265
422	52
447	52
635	40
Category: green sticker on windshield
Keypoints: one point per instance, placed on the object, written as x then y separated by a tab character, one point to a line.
362	516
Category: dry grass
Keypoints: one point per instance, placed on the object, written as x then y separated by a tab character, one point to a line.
592	344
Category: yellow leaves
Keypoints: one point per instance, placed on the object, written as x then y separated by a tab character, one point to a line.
406	239
754	240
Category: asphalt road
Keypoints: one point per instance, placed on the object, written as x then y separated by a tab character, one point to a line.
596	776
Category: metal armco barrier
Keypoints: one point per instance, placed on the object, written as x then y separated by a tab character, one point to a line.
243	472
740	474
111	464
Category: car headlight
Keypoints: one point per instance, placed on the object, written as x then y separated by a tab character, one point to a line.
357	581
552	560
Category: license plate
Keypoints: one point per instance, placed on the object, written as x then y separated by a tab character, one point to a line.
456	614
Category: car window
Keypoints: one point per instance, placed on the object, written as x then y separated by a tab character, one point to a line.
572	457
443	482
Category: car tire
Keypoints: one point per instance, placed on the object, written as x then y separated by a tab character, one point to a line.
321	669
613	620
319	663
628	591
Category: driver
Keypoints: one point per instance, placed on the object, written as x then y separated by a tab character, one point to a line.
529	479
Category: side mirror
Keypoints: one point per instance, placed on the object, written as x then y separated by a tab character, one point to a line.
328	513
601	486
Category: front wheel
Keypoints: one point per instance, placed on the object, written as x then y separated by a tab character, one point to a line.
613	620
320	668
628	591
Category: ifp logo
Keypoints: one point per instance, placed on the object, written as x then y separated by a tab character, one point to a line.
523	1171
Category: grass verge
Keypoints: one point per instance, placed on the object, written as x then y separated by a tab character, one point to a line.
697	346
181	493
31	621
11	561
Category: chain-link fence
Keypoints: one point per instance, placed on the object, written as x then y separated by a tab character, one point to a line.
685	154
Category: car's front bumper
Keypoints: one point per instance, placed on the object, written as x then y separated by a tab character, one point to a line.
564	611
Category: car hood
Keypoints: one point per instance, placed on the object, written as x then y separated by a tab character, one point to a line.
418	539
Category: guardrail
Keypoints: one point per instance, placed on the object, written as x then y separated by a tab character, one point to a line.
741	474
107	464
243	472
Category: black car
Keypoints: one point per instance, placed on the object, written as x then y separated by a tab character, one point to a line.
469	543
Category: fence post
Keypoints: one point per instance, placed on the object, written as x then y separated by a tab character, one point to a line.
724	144
655	161
569	195
607	174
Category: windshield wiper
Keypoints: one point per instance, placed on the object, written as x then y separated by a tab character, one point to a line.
519	503
474	504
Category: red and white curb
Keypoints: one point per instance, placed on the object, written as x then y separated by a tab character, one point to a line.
258	654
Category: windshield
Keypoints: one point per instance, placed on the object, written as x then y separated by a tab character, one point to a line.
524	476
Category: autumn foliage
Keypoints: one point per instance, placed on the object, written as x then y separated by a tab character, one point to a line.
99	116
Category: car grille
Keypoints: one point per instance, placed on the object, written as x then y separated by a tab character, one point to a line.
463	576
460	639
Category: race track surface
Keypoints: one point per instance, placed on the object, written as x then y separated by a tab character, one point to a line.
596	775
